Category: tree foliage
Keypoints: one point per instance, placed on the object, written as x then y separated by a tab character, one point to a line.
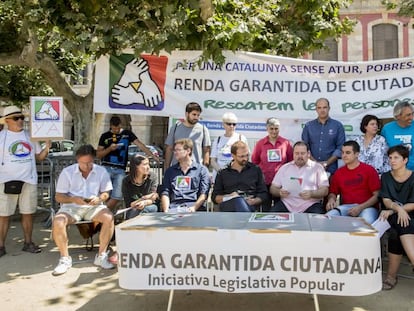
404	7
59	37
17	84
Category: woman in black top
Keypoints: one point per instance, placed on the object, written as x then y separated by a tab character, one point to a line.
397	193
139	188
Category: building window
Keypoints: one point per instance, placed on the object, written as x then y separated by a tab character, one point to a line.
384	41
329	53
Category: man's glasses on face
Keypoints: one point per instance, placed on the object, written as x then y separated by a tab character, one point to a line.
231	124
16	118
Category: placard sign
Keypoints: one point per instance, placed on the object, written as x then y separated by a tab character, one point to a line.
46	118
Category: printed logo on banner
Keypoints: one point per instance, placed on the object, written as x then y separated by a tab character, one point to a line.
46	110
137	83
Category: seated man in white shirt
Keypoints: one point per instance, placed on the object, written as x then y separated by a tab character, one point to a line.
82	188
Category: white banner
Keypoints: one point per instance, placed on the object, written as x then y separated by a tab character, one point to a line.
162	251
253	86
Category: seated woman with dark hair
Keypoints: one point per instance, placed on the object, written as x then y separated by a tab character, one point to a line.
373	147
139	188
397	193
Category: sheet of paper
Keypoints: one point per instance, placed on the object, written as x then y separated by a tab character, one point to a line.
381	226
293	185
121	211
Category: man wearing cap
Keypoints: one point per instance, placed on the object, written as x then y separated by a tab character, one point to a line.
18	164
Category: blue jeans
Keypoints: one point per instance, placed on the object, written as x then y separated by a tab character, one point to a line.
153	208
237	204
117	174
370	214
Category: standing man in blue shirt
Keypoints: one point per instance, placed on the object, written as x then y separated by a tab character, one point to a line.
401	130
325	137
187	183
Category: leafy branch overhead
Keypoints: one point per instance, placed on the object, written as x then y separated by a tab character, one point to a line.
59	37
71	32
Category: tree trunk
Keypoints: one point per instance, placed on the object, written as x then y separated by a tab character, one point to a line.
80	107
83	120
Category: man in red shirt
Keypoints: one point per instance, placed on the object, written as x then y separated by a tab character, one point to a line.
357	184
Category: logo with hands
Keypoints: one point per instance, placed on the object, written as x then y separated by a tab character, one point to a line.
136	86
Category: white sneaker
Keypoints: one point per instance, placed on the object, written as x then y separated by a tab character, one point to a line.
64	264
102	261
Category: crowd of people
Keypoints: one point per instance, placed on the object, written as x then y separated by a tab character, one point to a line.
375	181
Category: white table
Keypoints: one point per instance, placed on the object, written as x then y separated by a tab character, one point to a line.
243	252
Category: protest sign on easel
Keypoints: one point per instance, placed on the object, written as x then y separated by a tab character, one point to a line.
46	118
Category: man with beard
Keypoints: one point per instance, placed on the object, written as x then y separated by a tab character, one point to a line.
186	184
240	187
189	128
301	184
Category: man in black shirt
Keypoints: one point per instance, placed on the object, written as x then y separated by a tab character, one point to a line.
113	151
240	187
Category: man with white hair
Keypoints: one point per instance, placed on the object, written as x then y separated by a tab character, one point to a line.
401	130
221	149
18	176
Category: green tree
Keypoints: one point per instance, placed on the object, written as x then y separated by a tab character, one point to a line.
59	37
404	7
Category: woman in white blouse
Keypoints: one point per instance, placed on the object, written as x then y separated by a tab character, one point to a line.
220	150
373	146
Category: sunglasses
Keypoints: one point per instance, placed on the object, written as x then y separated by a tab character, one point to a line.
17	118
231	124
114	138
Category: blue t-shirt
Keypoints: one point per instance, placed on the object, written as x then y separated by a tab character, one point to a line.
397	135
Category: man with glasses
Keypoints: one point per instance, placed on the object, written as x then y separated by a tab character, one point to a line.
240	186
186	184
401	130
82	189
189	128
18	176
113	151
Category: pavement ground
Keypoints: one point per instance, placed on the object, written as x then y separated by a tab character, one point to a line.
26	283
